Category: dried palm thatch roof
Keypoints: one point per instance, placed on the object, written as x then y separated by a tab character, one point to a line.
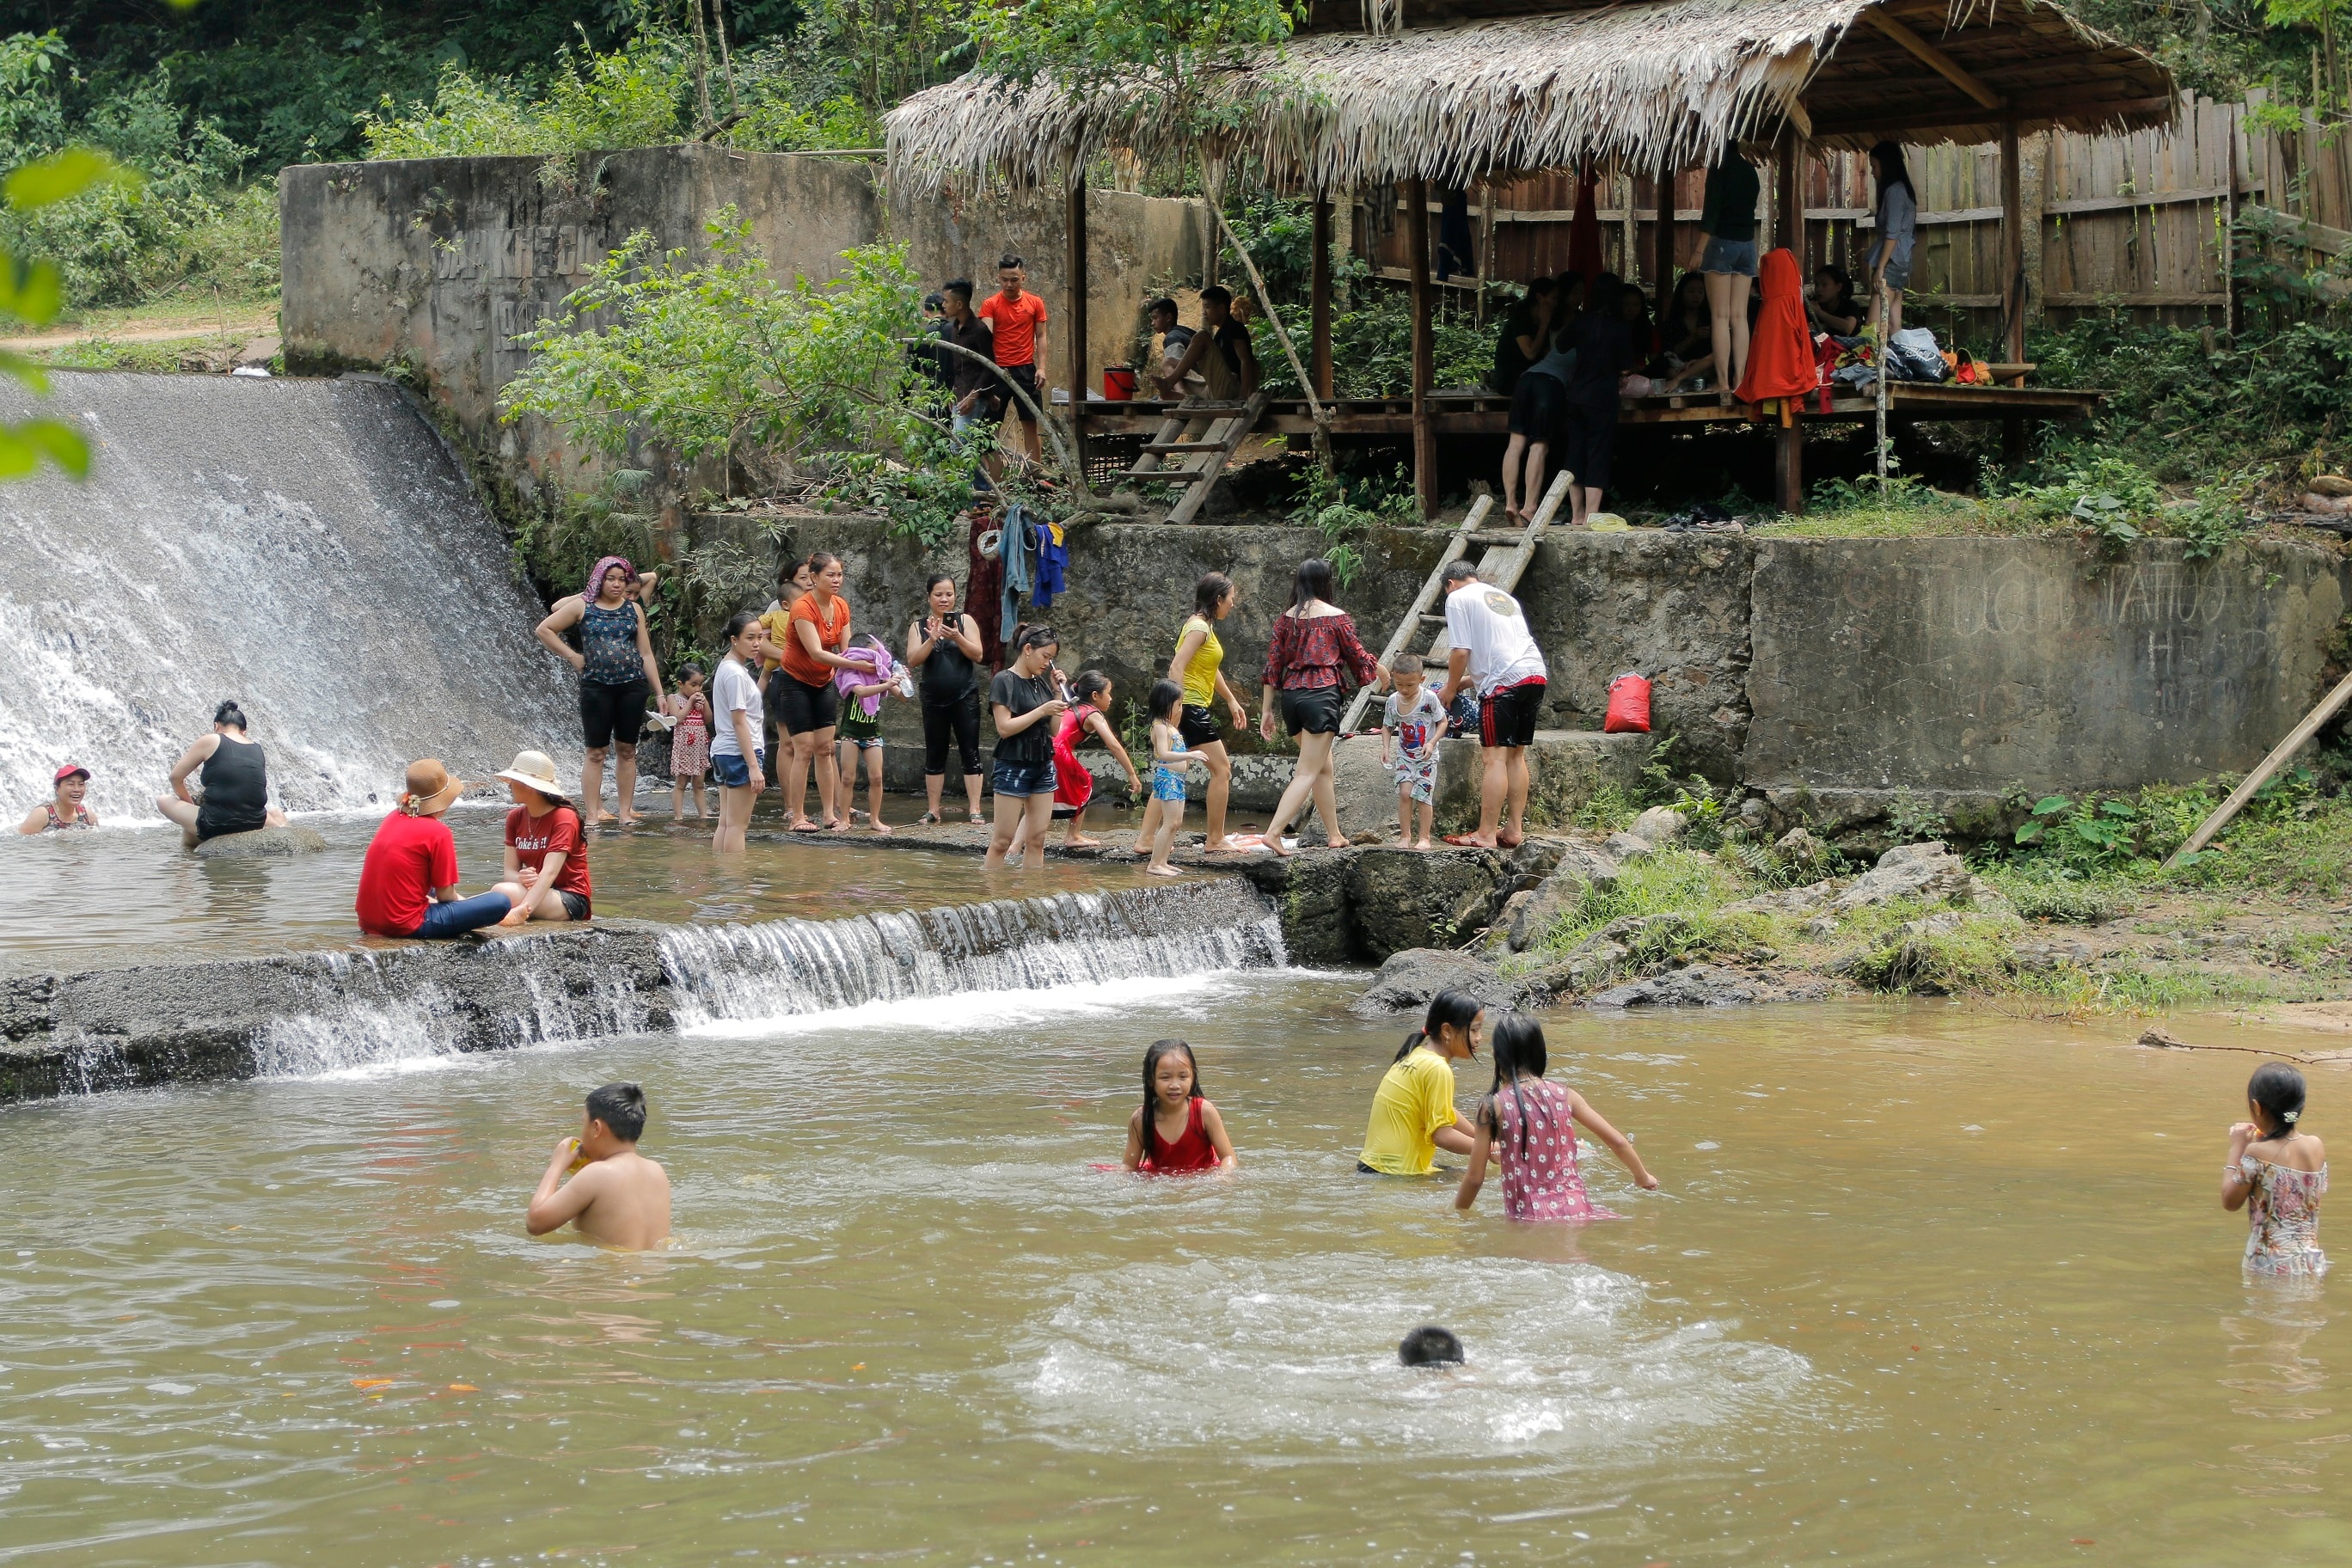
1651	82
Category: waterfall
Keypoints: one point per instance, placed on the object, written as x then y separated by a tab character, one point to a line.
781	969
308	547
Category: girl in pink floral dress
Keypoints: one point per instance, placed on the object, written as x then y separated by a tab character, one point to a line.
2278	1172
1527	1125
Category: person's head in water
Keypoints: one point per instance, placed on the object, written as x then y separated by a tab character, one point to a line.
1171	1077
1450	1027
1166	702
1518	1042
2274	1094
615	1120
1431	1346
229	716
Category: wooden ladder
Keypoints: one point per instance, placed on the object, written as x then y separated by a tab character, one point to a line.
1201	438
1508	552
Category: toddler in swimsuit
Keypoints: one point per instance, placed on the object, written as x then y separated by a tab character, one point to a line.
1164	813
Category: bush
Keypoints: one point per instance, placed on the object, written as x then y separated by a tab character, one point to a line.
637	96
1942	956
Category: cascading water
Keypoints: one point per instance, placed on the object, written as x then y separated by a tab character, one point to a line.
745	974
308	547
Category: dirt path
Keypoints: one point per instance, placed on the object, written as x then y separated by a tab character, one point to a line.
66	337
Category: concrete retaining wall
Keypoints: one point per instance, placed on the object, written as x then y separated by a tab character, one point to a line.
439	263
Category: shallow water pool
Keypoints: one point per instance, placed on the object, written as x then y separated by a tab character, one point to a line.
1923	1285
72	897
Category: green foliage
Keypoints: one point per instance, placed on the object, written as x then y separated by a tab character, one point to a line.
634	96
717	358
2111	498
167	209
1942	955
1609	810
1345	508
2045	888
1090	44
1912	819
31	293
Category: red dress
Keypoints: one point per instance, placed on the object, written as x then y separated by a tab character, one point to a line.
1191	1154
1072	785
1781	361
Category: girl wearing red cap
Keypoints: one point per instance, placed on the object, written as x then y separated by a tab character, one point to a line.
65	811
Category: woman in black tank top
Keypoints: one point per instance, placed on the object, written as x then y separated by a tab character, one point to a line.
235	776
944	645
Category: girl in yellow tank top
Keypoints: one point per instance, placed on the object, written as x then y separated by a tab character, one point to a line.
1197	667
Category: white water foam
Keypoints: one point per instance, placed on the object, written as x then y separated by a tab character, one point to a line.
1143	943
1563	1360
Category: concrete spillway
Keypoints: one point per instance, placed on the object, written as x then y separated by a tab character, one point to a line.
308	547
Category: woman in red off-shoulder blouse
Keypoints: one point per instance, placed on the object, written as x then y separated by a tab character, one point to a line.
1314	655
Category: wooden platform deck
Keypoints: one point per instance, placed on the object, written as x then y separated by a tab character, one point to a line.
1485	414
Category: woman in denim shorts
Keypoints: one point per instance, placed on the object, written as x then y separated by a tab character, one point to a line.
1025	700
1728	218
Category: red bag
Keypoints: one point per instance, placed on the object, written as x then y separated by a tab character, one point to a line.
1629	707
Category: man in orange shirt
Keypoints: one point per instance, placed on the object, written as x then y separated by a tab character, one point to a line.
1017	318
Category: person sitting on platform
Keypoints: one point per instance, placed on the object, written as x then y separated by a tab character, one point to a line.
233	777
547	852
1828	305
1525	327
1221	351
1687	333
408	883
1174	337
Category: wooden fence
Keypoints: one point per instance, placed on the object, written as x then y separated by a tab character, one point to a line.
2140	221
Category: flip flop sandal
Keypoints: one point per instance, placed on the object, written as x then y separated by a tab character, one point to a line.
1463	841
926	818
977	820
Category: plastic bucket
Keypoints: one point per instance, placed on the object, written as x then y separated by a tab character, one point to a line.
1118	383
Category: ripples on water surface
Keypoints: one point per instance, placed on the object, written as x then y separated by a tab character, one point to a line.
1922	1287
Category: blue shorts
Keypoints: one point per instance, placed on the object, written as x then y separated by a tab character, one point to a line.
731	771
1167	783
1020	780
1733	256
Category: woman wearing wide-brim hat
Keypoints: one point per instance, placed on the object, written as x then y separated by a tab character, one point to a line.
547	852
408	884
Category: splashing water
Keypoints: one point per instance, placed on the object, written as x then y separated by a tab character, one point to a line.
306	547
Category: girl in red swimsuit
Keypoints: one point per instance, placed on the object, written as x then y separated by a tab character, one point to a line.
1175	1132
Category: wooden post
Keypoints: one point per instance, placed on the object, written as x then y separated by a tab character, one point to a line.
1318	301
1076	269
1424	348
2012	244
1788	458
1791	223
1661	243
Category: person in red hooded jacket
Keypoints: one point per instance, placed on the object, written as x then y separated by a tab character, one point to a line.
1780	361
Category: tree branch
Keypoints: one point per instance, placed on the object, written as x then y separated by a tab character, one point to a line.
1061	449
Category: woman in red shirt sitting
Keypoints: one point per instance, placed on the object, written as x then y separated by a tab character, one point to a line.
547	854
408	884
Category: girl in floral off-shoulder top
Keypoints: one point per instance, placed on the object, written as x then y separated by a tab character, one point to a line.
2279	1173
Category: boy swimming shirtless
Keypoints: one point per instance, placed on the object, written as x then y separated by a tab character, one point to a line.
617	1196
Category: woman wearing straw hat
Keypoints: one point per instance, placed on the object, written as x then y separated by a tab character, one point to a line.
408	884
547	852
64	808
617	674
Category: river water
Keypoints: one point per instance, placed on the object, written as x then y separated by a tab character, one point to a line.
1922	1284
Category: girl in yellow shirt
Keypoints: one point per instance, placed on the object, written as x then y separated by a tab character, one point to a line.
1412	1110
1198	668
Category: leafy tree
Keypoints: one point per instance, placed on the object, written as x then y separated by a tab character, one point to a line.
32	292
634	96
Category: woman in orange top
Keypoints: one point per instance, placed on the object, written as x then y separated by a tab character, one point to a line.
805	699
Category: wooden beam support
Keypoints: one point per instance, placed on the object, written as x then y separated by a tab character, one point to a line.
1661	246
1318	301
1077	272
2013	220
1934	58
2046	107
1424	350
1788	222
1788	462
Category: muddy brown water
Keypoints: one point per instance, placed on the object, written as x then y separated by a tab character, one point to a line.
1923	1285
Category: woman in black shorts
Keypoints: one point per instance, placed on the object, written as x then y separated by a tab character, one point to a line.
617	675
1313	654
806	700
944	645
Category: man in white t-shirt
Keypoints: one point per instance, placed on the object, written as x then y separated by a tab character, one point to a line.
1495	654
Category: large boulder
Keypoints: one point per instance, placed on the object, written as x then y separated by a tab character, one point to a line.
1407	898
1700	986
261	844
1409	980
1659	826
1531	915
1929	872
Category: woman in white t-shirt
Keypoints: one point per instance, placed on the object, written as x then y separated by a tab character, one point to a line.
738	765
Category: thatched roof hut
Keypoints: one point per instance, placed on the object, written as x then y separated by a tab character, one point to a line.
1652	84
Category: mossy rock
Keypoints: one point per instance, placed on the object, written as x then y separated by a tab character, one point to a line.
261	844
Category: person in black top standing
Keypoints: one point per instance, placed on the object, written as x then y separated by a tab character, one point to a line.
944	646
1586	439
978	391
234	780
1728	219
1025	700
